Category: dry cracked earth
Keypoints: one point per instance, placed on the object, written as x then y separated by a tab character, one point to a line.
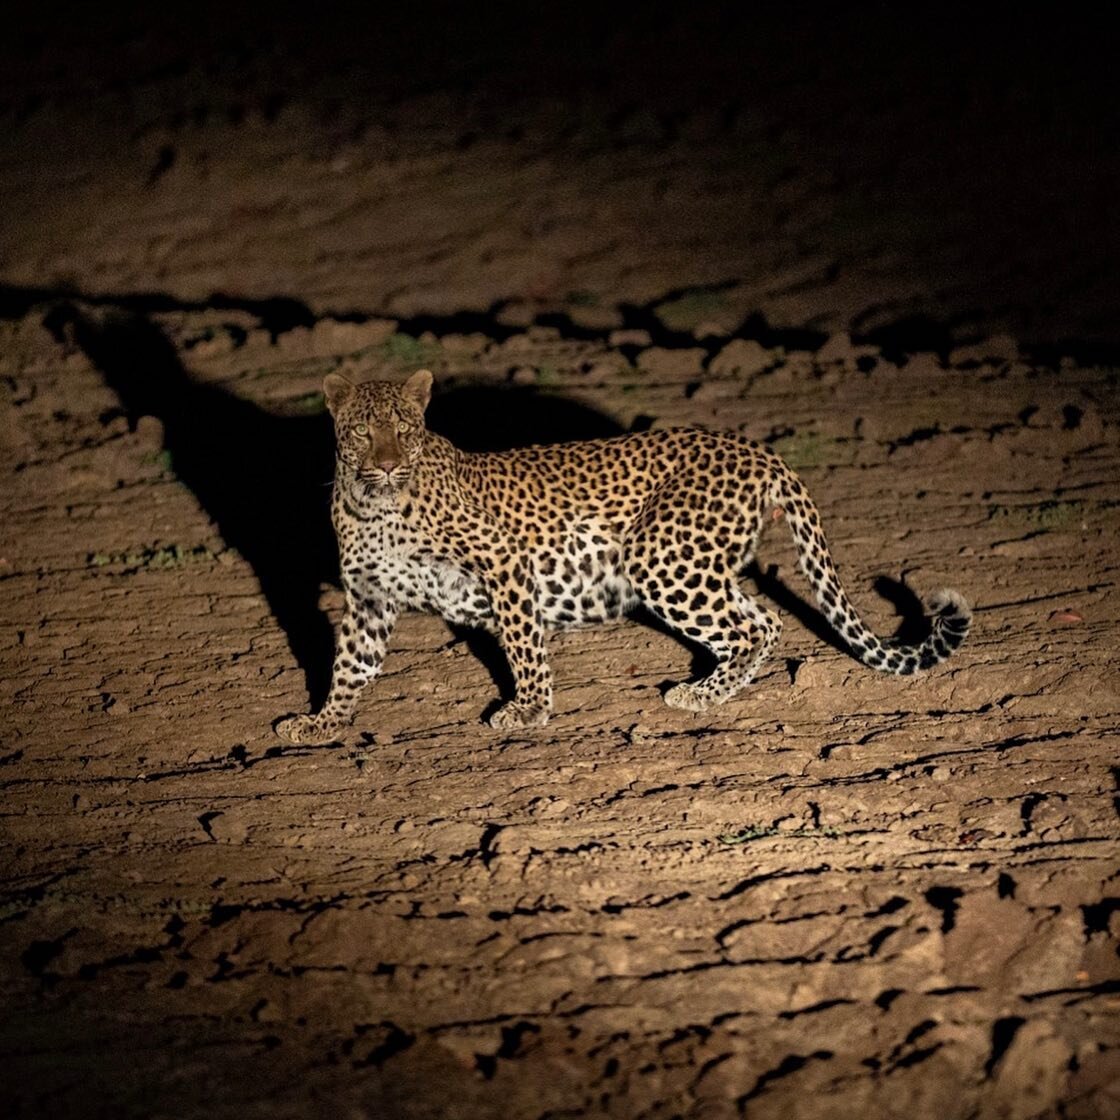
841	894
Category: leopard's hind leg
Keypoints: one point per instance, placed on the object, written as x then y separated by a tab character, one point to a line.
741	637
708	607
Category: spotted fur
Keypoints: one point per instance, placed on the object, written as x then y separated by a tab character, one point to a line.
518	542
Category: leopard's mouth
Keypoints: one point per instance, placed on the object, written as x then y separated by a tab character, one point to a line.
377	485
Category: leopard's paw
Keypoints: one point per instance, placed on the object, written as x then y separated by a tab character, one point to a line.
517	714
308	729
687	697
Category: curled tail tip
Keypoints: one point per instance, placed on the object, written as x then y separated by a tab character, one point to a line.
952	619
947	604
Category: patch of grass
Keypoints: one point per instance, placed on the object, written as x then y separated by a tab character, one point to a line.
805	449
405	350
310	404
582	298
766	832
20	903
154	558
1052	514
691	309
161	459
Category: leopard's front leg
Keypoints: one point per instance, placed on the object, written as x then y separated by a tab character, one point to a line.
363	638
519	627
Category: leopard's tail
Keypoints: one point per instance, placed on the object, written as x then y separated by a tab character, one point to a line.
950	615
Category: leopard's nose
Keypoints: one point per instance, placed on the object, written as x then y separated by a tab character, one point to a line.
388	465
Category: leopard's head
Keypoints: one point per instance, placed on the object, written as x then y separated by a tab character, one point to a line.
379	431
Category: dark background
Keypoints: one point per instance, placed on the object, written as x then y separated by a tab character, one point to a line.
979	142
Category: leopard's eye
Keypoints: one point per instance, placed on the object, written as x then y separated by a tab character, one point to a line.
403	427
360	429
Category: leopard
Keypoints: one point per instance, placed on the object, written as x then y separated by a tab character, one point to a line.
520	542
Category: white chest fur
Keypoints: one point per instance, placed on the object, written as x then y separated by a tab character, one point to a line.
387	558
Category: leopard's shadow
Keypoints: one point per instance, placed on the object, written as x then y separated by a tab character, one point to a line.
264	479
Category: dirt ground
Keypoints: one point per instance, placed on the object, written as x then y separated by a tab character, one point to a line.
840	895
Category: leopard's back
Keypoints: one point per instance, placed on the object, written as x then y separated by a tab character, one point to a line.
578	507
617	480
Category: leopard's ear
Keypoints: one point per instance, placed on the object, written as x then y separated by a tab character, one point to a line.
338	390
418	388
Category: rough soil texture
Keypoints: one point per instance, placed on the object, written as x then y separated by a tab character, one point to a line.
841	895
